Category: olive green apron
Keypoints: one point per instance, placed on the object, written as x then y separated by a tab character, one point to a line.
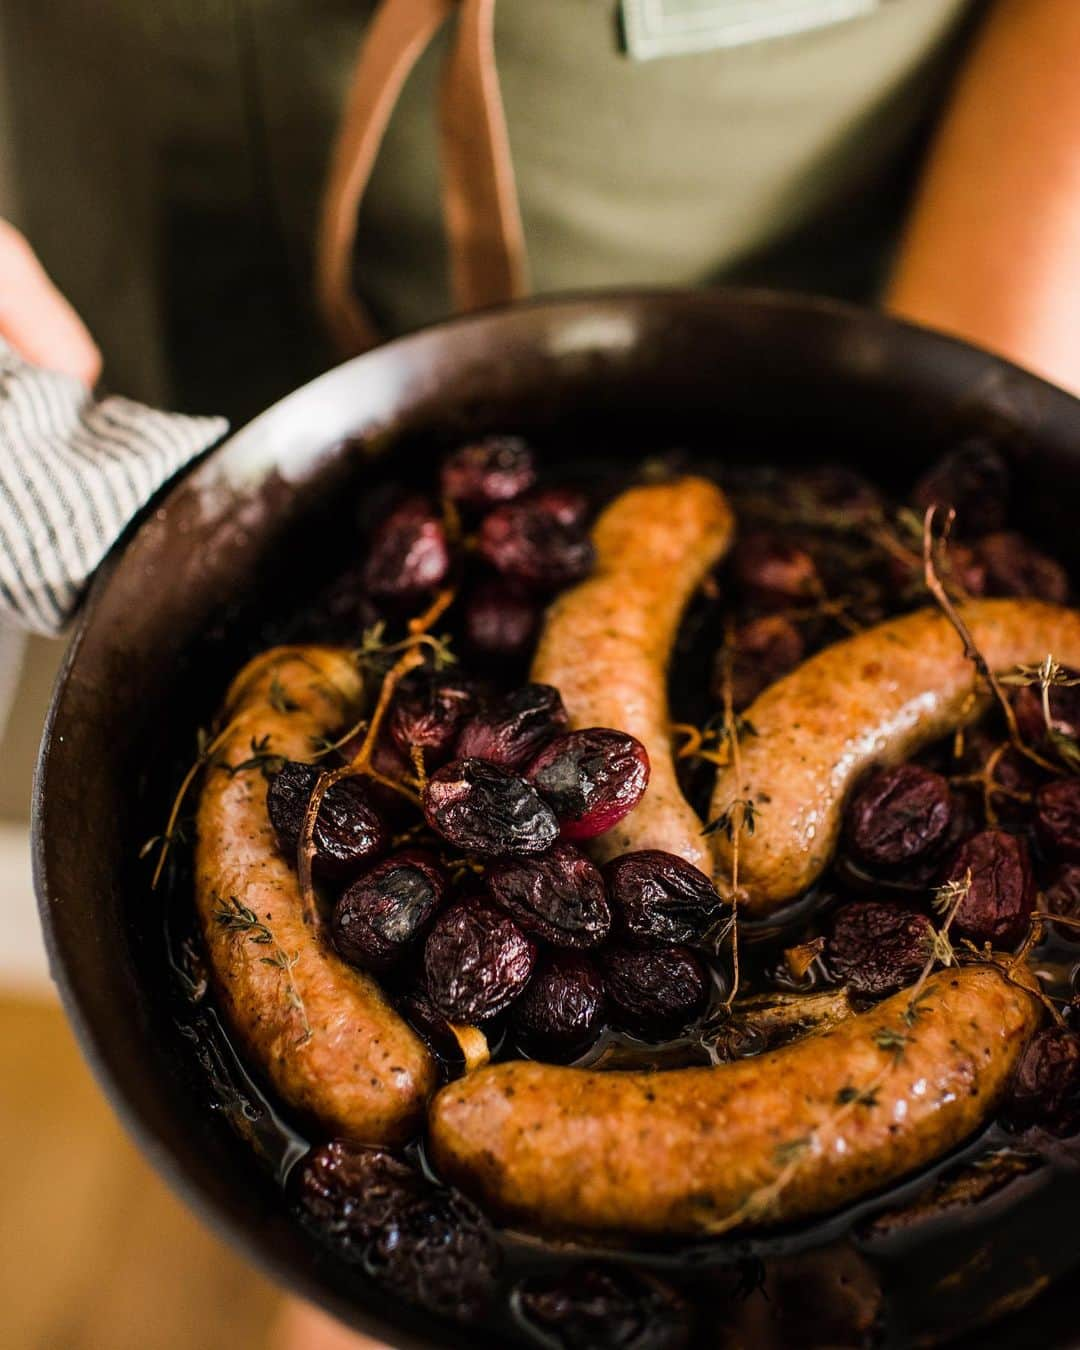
169	160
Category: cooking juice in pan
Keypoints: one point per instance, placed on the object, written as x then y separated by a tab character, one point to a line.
499	906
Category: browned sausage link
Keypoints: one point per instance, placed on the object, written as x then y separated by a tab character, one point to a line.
875	697
795	1132
323	1033
606	643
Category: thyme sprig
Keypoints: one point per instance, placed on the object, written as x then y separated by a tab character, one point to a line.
235	917
1048	674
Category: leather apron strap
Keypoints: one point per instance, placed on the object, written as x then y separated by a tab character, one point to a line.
480	207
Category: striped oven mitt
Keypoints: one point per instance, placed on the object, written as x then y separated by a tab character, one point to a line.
73	473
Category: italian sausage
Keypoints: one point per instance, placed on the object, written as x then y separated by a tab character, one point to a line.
792	1133
322	1033
605	644
876	697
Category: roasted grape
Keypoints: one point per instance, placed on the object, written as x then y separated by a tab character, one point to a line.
558	896
347	1192
563	1007
658	897
429	709
489	471
537	543
994	869
591	778
898	815
379	919
765	649
409	554
501	621
605	1308
349	833
877	947
477	961
1014	566
1046	1087
511	731
483	809
1057	818
654	991
775	573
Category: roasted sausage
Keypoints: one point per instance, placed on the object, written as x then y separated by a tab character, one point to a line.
605	644
792	1133
873	698
322	1033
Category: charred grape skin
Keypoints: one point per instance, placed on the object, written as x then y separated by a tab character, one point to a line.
409	555
974	481
535	543
877	947
381	917
563	1007
349	833
773	572
1000	894
558	896
1046	1087
512	730
658	897
429	709
1015	567
898	815
500	620
438	1253
605	1308
347	1192
1057	818
483	809
486	472
477	961
655	991
765	649
591	779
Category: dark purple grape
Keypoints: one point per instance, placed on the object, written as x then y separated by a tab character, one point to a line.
605	1308
877	947
1046	1087
557	896
477	961
765	649
486	472
1001	893
898	815
429	709
654	991
563	1007
1064	701
1057	818
440	1254
1014	566
567	505
409	554
481	808
592	779
660	897
536	542
500	620
774	573
383	914
348	1192
1062	896
973	479
512	730
348	832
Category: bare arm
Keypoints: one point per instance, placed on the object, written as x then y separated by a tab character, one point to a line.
992	250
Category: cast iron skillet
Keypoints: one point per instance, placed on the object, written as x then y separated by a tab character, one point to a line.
175	610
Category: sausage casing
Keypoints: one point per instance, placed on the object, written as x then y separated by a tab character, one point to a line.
322	1033
692	1151
606	643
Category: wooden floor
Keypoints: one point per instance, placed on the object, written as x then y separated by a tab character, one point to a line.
95	1252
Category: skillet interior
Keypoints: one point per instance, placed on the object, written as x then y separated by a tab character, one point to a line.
749	374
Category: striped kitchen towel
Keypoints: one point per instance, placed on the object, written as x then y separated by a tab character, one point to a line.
73	473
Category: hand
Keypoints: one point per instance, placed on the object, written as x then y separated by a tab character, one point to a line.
36	319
